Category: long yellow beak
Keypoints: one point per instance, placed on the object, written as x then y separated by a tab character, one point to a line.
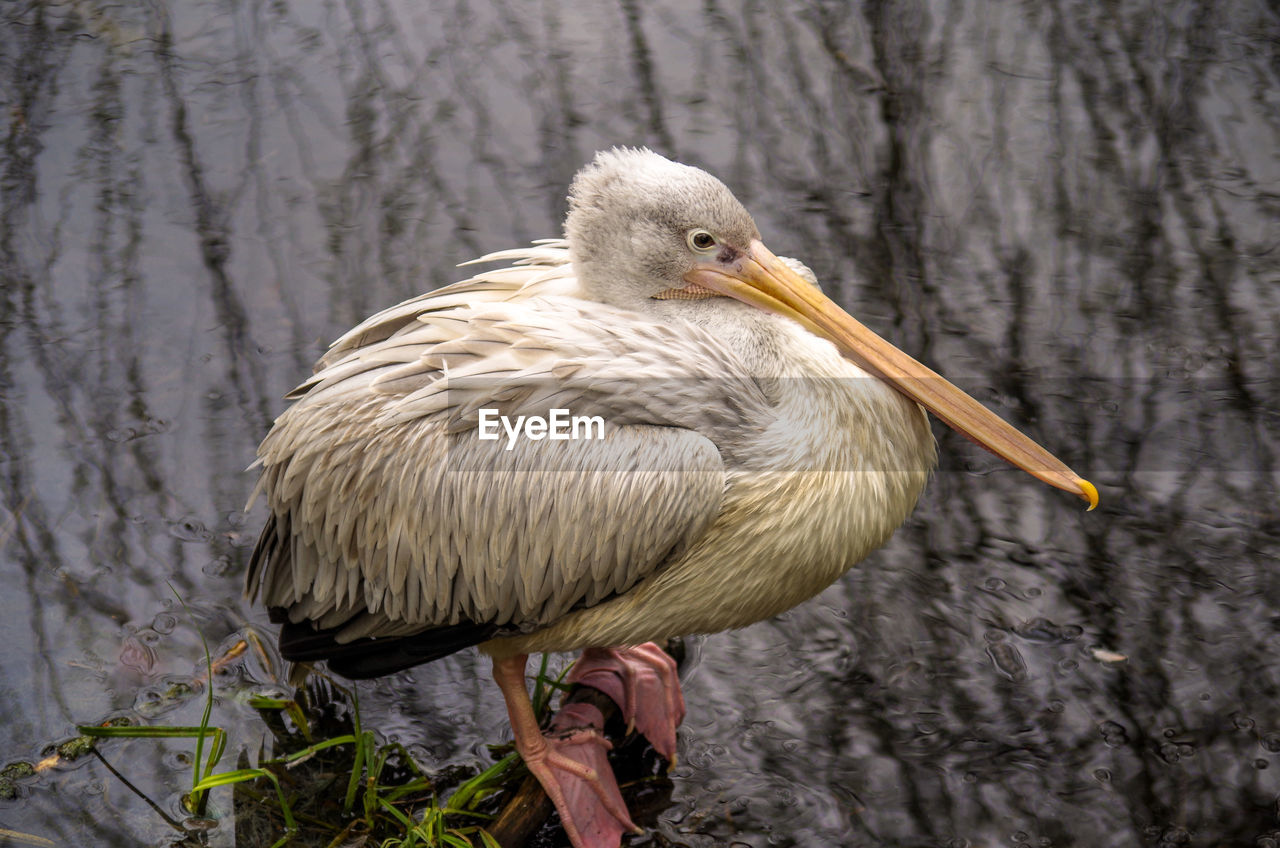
762	280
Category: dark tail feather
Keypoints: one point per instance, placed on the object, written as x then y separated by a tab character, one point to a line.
362	659
269	547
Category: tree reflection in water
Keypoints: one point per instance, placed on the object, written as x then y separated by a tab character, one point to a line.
1070	208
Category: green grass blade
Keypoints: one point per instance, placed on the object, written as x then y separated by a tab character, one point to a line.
227	778
357	771
296	756
357	766
541	695
197	801
450	811
465	796
240	776
395	793
287	705
400	816
215	751
131	732
262	702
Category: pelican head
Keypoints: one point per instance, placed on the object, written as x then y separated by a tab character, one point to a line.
642	228
638	223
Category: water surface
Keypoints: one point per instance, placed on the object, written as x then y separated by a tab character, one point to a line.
1070	208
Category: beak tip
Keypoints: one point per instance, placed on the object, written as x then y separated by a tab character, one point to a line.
1090	493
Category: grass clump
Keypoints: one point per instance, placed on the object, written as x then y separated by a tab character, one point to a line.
332	784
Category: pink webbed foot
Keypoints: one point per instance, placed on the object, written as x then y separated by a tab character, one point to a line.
594	803
643	682
571	762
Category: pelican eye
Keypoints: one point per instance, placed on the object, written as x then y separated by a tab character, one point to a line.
701	241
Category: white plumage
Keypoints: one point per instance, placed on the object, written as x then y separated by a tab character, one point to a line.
378	471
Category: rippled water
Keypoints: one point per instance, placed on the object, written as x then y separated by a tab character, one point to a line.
1071	209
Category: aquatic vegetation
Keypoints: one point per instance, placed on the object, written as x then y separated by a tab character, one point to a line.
334	779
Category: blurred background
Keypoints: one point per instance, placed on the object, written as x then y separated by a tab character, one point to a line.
1072	209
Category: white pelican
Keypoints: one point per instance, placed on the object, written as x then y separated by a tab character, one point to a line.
759	442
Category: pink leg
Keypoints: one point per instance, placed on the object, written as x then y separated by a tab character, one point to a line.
571	765
642	681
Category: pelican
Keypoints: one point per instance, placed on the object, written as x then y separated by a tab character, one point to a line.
756	443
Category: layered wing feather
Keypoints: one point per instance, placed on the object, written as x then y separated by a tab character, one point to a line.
390	516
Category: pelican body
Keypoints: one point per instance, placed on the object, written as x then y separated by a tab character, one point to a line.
758	443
